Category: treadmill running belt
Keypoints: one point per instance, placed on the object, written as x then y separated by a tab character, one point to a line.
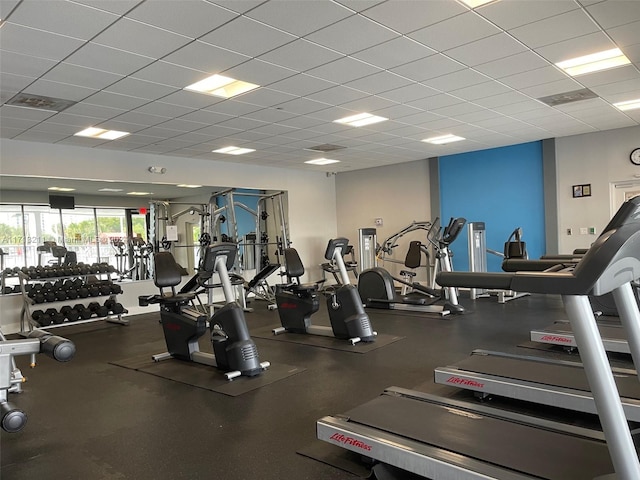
613	332
553	374
525	449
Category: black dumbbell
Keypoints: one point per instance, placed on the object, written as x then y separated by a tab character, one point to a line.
56	316
83	292
84	312
70	313
115	307
61	294
17	289
49	296
99	310
94	290
72	294
41	318
116	289
105	288
7	290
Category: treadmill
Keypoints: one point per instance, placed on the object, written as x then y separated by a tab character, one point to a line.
440	439
613	336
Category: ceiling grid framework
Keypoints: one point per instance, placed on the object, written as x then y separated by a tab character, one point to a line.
431	67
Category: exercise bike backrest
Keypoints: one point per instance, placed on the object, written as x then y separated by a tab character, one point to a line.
212	252
336	248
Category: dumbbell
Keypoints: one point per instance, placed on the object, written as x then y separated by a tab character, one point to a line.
99	310
17	289
70	313
41	318
61	294
84	312
49	296
105	288
56	316
7	290
116	289
83	292
94	290
114	307
72	293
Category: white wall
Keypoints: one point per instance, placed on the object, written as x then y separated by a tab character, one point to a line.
600	159
311	194
399	194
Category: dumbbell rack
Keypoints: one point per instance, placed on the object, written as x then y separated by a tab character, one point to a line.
27	322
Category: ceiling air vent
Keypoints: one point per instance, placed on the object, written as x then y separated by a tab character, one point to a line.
568	97
327	147
40	102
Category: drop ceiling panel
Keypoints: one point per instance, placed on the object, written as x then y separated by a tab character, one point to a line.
116	100
301	55
456	80
395	52
133	36
309	16
436	101
481	90
37	43
344	70
371	103
430	67
24	65
616	75
352	34
232	108
14	83
455	31
35	136
271	115
338	95
81	76
552	88
142	119
265	97
576	47
260	72
140	88
487	49
508	14
19	113
303	106
100	57
301	84
232	36
379	83
626	34
609	15
414	14
192	19
534	77
60	90
511	65
555	29
92	110
205	58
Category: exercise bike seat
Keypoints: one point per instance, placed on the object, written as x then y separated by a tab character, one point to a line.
294	269
167	274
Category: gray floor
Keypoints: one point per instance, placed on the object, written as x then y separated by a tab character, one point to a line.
89	419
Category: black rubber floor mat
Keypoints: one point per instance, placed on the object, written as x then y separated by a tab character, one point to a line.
203	376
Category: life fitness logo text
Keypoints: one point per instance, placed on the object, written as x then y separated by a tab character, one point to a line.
287	306
555	338
465	382
340	438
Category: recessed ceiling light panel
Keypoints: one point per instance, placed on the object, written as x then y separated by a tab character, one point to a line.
322	161
93	132
139	193
441	140
184	185
61	189
476	3
234	150
594	62
628	105
221	86
361	120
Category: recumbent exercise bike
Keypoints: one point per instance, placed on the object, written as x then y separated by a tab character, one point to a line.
234	352
298	301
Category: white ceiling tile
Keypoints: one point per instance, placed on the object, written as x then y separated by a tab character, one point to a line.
165	109
57	128
81	76
418	119
16	125
181	125
232	108
205	57
368	104
396	111
6	7
25	65
300	55
406	16
192	18
615	13
79	121
480	90
302	121
168	74
120	7
100	57
352	34
520	109
120	126
193	100
303	106
90	110
633	53
436	101
206	116
456	31
430	67
301	84
62	18
379	82
508	14
486	49
233	36
626	34
576	47
29	114
395	52
534	77
36	136
619	88
521	62
140	118
310	16
265	97
344	70
270	115
478	117
14	83
555	29
115	100
502	99
337	95
33	42
457	109
456	80
409	93
140	88
133	36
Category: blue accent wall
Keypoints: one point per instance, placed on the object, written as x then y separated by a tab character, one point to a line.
502	187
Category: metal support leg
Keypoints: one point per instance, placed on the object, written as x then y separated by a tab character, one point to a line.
627	307
604	389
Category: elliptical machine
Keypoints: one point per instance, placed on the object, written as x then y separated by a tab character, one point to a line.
377	288
234	352
298	301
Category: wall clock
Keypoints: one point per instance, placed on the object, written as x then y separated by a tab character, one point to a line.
634	156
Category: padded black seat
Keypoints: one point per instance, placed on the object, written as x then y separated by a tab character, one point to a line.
294	269
167	274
